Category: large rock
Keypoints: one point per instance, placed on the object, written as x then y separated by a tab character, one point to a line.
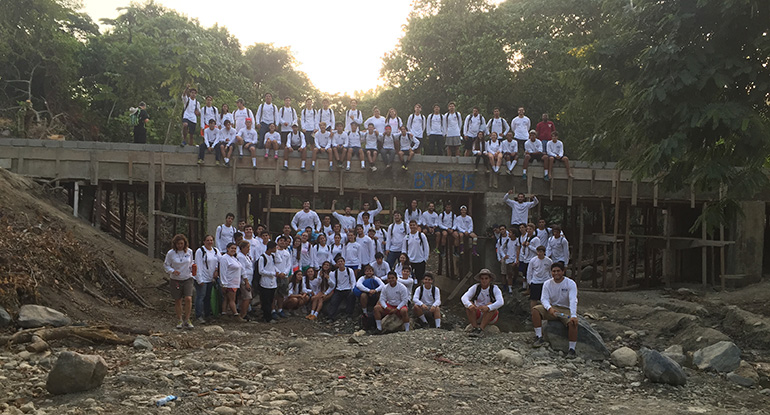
510	356
659	368
5	318
590	345
721	357
675	353
74	372
392	323
695	337
624	357
32	315
745	375
142	343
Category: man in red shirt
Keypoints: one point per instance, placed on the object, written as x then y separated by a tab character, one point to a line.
544	129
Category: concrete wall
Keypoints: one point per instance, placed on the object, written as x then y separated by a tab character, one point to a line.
748	231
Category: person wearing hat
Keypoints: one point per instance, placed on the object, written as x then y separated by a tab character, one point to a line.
295	141
247	138
482	301
558	301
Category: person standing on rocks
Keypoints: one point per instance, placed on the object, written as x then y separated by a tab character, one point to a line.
207	262
394	298
179	266
558	302
230	272
268	274
538	272
482	301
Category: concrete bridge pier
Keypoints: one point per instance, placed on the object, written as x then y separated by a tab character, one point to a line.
221	198
748	231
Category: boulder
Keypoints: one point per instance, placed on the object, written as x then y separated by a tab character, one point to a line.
213	329
392	323
142	343
676	353
745	375
659	368
624	357
5	318
695	337
32	316
74	372
722	357
510	356
590	345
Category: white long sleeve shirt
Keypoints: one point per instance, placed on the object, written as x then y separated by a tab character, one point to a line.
388	141
506	247
526	253
563	294
224	117
416	247
304	219
521	127
296	140
493	146
323	140
249	135
371	140
267	113
394	123
267	270
483	299
224	235
352	253
320	254
558	249
239	118
339	139
209	113
473	125
381	270
227	136
286	116
347	223
327	116
533	146
372	214
230	270
283	262
397	296
426	296
368	249
247	266
309	119
409	142
453	124
274	136
539	270
499	126
464	223
207	262
509	146
353	115
519	211
435	124
179	261
299	288
429	219
415	215
379	123
343	280
446	220
415	124
210	137
555	149
396	234
353	139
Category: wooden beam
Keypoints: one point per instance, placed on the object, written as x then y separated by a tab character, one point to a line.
175	216
151	225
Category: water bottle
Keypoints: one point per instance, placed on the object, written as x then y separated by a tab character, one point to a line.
562	315
165	400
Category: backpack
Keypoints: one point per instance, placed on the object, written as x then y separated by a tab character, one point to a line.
390	229
432	292
257	268
197	112
478	291
419	235
133	119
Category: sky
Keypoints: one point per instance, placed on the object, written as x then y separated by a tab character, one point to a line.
370	29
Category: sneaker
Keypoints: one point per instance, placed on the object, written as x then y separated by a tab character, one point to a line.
189	325
254	166
374	168
200	161
275	156
201	320
184	143
312	317
180	325
308	316
524	176
217	163
403	167
227	164
304	170
285	167
331	167
281	314
546	178
347	168
266	155
406	168
275	316
571	354
539	342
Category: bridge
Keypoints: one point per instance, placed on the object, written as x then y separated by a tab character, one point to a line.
626	225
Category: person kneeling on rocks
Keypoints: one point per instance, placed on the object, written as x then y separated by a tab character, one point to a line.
482	301
393	300
427	300
558	302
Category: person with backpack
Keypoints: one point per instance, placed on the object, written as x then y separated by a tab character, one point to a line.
240	115
510	150
475	125
225	233
413	212
353	146
190	114
446	227
507	256
208	112
367	289
247	274
417	249
435	130
309	122
268	273
337	147
326	114
343	279
494	153
464	229
210	142
394	298
397	231
526	248
415	123
287	118
353	115
427	301
452	130
498	124
557	247
267	113
409	145
246	138
207	264
393	120
230	276
226	115
371	141
139	119
557	302
482	302
227	141
388	144
295	141
323	145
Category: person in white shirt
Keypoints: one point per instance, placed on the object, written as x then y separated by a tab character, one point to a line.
542	231
558	247
209	112
295	141
393	120
227	141
210	142
368	248
353	115
321	289
415	123
452	130
538	272
261	246
371	142
272	140
253	240
482	302
305	218
427	301
230	274
299	294
326	114
556	153
287	117
267	113
510	150
479	152
396	233
413	212
446	226
464	229
558	302
521	126
498	124
321	251
323	145
388	142
343	280
526	248
434	125
394	298
367	289
533	152
353	144
474	124
190	115
406	277
372	213
247	138
429	221
240	114
225	114
380	267
353	252
247	273
337	150
225	233
519	207
283	264
408	144
268	276
347	220
417	249
207	264
309	120
506	254
493	152
380	236
377	120
179	267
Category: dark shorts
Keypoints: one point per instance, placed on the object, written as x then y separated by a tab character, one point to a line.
370	151
523	268
247	146
535	290
191	126
295	148
558	159
468	143
283	287
181	289
536	157
509	156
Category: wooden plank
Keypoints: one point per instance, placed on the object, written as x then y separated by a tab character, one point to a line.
151	207
655	195
581	232
175	216
634	192
626	247
704	252
130	169
569	191
461	285
604	248
692	195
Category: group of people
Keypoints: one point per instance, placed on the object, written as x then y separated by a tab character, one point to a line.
328	269
315	132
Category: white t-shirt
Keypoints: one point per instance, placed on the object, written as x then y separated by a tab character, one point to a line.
274	136
521	127
379	123
189	109
249	135
240	117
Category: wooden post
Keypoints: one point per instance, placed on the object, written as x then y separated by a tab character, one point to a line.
604	248
704	251
626	247
122	212
151	208
581	227
133	223
615	250
269	207
666	256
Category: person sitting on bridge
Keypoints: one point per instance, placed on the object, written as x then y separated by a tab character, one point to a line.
408	144
210	142
371	139
429	221
247	138
482	302
337	150
533	151
510	150
556	153
305	218
557	302
394	298
427	301
226	141
323	145
519	207
353	146
272	141
295	141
